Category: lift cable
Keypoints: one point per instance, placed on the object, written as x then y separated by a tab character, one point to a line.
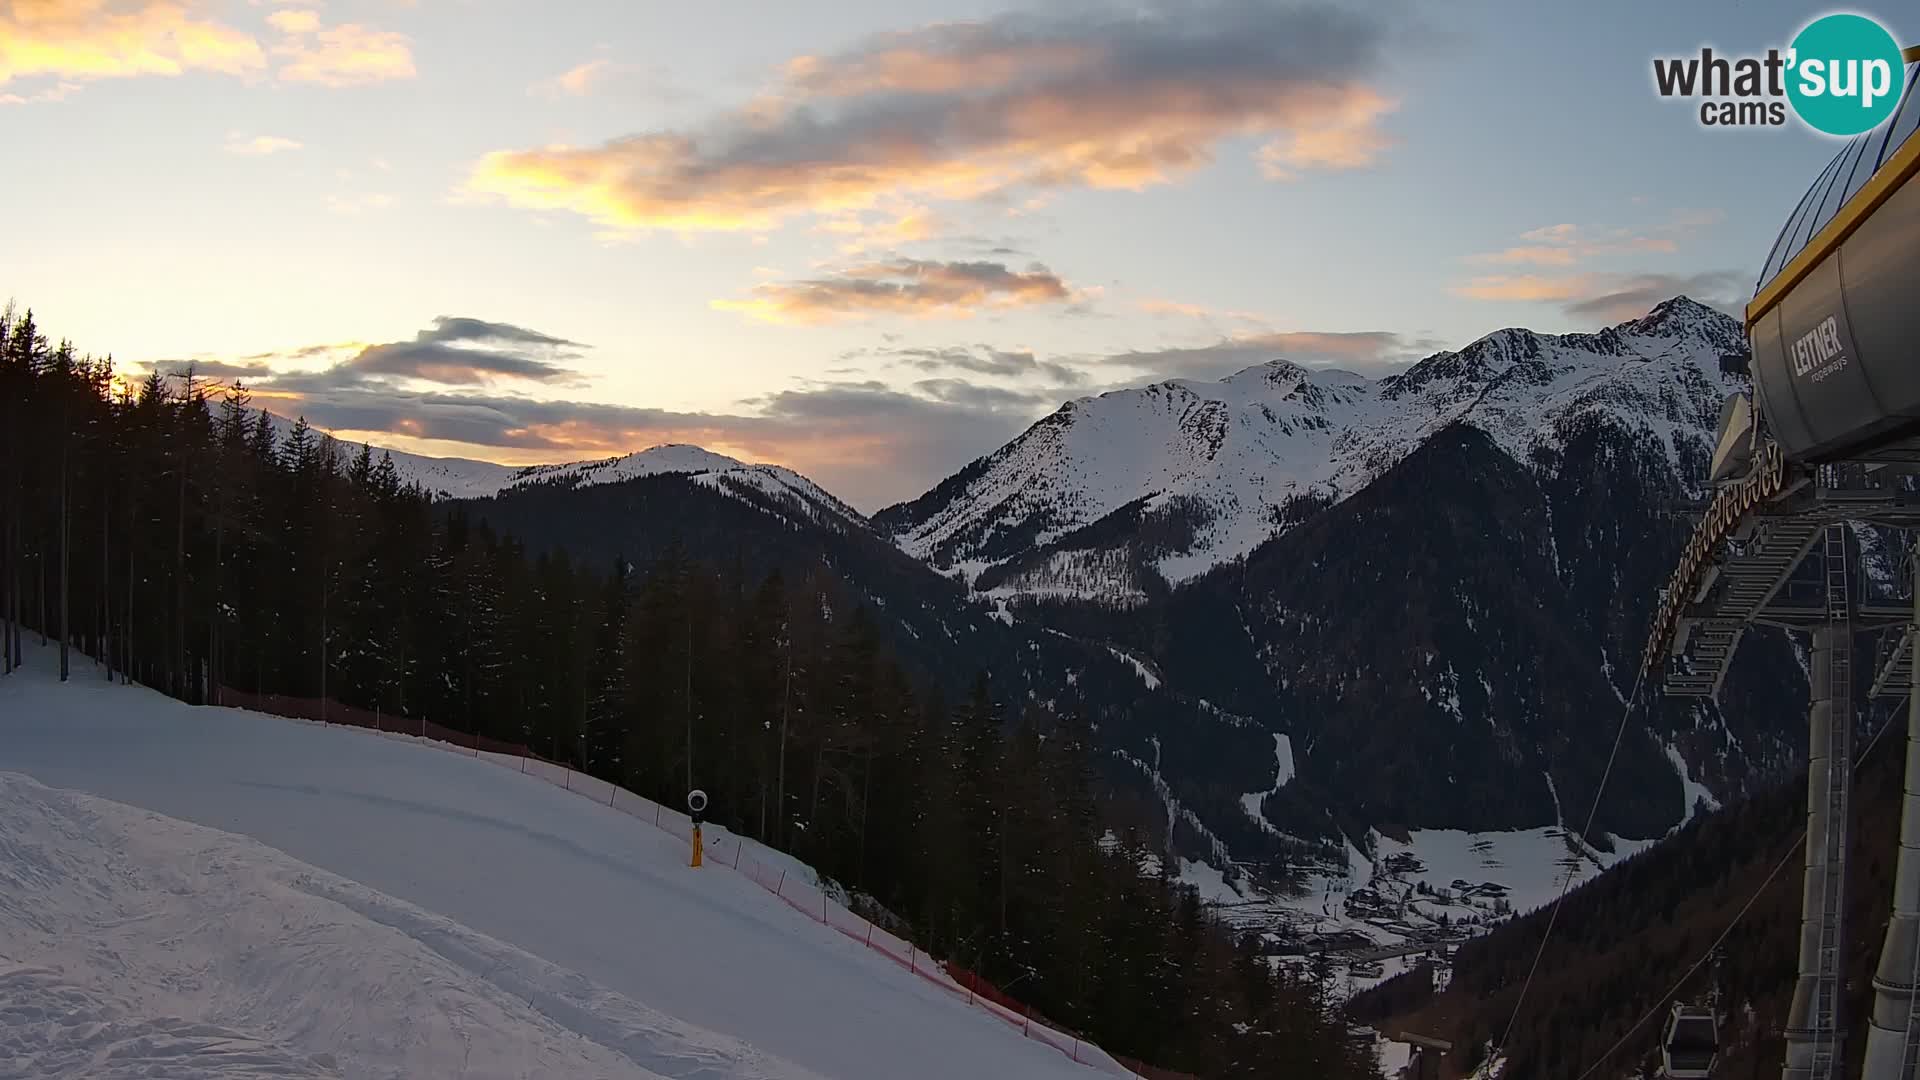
1553	915
1786	857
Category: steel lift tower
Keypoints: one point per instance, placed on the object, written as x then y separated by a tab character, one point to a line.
1829	436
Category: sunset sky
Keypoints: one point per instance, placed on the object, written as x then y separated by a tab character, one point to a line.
866	240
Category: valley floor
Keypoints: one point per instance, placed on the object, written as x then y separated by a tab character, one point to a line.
389	910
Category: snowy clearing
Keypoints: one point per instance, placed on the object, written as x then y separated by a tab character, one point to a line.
535	892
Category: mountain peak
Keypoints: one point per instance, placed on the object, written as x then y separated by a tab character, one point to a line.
1681	316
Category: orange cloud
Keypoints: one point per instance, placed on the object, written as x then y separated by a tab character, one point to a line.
862	234
577	81
958	111
344	55
1197	311
1566	244
908	287
1526	287
1610	296
100	39
294	21
1347	137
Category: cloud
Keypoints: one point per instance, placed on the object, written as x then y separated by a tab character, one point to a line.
345	55
1526	287
1630	296
577	81
1347	138
1566	244
868	443
294	21
258	145
985	360
77	40
1367	352
864	234
1021	103
1611	297
456	351
56	92
914	288
102	39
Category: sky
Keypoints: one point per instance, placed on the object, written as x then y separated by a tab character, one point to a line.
870	241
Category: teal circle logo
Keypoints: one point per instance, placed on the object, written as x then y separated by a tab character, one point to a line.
1845	74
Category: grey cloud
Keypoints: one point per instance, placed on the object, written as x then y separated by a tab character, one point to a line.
1080	96
1636	295
1368	352
986	360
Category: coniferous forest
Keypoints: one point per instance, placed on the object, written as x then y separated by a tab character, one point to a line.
168	532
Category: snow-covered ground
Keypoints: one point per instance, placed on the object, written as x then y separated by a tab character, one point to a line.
418	903
136	943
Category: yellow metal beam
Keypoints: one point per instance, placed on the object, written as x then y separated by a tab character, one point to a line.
1894	172
1911	56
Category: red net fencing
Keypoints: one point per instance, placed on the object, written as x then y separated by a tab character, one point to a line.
771	870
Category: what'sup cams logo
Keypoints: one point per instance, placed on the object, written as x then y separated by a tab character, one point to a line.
1842	75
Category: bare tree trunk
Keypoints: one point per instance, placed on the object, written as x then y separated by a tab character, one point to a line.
179	650
106	579
66	531
213	617
780	787
6	588
127	657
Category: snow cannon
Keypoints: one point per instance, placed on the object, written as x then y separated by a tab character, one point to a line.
696	805
1834	324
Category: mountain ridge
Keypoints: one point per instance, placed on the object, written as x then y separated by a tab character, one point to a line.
1223	460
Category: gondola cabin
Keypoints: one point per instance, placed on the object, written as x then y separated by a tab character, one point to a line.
1689	1044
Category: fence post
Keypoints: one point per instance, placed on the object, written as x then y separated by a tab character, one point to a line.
1028	1029
656	815
910	959
567	783
782	885
1076	1050
738	843
825	915
869	935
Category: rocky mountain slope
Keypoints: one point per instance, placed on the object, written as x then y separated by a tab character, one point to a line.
1116	497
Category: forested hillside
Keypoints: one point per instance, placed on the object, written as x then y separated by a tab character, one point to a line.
1623	941
167	529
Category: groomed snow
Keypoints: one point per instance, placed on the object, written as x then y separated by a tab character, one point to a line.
141	945
534	891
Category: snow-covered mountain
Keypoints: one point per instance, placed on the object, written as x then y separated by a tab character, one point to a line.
765	485
1111	497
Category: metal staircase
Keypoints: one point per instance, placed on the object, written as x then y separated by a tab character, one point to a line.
1747	578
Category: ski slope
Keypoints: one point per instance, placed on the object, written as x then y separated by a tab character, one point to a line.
451	917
